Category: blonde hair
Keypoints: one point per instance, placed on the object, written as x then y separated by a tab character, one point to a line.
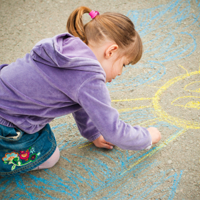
114	26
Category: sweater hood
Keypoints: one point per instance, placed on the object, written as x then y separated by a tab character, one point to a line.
66	51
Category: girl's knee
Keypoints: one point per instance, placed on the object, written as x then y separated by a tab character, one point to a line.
56	155
51	161
54	158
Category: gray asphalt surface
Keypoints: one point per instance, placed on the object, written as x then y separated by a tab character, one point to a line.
162	90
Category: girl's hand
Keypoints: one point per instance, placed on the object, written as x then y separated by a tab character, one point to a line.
101	143
155	134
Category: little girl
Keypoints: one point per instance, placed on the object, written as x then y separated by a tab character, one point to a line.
67	74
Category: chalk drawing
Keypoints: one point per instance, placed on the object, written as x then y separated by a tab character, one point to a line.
196	84
174	120
99	178
170	38
125	166
119	174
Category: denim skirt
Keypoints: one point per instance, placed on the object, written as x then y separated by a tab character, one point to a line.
21	152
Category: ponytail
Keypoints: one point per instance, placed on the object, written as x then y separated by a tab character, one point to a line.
75	24
114	26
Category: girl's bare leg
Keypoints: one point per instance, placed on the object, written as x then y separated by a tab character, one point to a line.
51	161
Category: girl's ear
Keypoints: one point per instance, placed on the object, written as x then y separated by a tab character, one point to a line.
110	51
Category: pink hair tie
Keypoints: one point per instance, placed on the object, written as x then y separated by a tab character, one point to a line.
93	14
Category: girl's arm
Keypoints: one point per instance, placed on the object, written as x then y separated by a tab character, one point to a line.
85	125
89	131
93	96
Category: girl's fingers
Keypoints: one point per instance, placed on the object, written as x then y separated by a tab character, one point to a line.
104	141
107	146
110	144
101	143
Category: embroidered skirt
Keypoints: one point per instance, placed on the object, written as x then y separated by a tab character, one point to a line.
21	152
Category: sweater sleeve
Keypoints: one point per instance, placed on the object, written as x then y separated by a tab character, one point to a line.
93	96
85	125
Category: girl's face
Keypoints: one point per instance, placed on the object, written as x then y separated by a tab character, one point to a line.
115	68
109	56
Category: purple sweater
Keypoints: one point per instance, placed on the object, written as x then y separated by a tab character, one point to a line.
61	75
